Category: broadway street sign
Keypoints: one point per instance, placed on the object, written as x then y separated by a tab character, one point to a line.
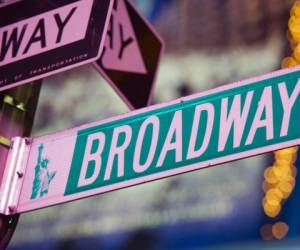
225	124
41	38
131	55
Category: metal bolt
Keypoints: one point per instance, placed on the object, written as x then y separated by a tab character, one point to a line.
20	174
12	209
27	141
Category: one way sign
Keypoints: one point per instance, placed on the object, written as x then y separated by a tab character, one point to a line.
42	38
131	55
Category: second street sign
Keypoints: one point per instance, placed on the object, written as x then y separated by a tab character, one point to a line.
41	38
131	55
225	124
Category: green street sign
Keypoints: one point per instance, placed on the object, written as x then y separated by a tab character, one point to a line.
235	121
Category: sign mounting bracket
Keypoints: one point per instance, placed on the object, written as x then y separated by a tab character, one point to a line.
13	176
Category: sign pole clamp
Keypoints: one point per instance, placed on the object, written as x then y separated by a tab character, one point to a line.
13	176
21	106
14	103
6	142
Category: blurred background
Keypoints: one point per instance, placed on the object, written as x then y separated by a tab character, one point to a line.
208	43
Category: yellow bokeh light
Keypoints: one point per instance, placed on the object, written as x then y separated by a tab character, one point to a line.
289	61
274	193
270	207
295	11
270	176
297	52
286	156
294	171
266	232
280	230
294	24
285	187
273	213
280	178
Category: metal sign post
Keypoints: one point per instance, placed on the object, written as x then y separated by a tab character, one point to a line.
16	118
232	122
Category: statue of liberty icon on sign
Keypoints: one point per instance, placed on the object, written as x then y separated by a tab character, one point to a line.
43	176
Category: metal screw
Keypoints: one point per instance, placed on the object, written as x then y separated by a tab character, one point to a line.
20	174
12	209
27	141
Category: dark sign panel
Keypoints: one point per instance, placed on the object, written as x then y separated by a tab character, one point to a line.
41	38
